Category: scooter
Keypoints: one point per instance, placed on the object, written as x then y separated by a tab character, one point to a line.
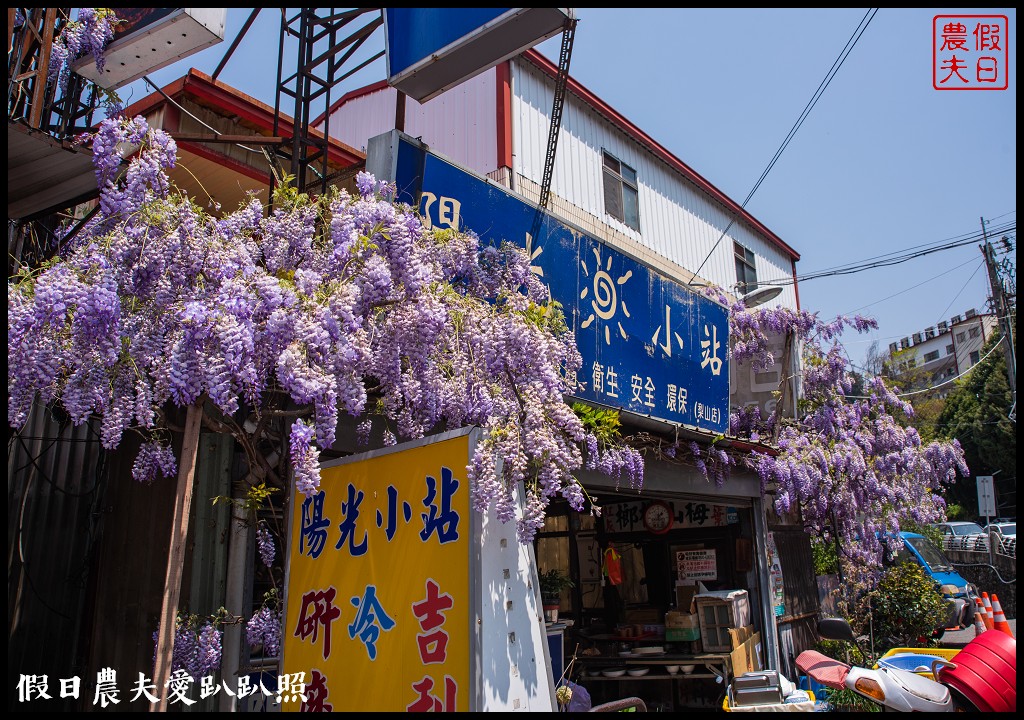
982	677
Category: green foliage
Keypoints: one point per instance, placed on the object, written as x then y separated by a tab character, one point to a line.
955	511
255	497
553	582
847	700
826	562
976	414
605	424
906	605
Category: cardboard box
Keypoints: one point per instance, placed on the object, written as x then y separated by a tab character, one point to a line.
747	657
684	597
642	616
738	636
681	620
682	634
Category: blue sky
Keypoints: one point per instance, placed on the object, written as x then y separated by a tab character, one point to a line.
883	162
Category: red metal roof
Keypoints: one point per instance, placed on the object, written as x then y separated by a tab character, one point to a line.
235	102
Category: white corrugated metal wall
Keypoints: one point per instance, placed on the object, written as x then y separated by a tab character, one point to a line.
678	220
459	124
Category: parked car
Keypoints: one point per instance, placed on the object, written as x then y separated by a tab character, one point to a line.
1005	530
958	592
960	528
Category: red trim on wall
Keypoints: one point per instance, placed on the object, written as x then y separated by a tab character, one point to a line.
351	95
503	112
796	288
225	160
643	138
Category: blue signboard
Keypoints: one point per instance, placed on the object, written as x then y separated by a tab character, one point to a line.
649	345
429	50
414	34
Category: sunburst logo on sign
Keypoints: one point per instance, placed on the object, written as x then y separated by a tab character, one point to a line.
605	300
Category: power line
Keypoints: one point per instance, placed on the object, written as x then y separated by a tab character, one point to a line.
893	258
944	382
943	313
822	86
912	287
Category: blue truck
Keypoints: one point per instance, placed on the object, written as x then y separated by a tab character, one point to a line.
959	593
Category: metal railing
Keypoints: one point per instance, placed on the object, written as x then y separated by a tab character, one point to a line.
1004	546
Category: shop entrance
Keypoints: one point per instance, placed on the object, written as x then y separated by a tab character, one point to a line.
635	571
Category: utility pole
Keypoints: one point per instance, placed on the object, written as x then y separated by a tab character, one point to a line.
1002	310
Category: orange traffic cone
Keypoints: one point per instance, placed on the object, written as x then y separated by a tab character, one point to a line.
979	617
999	619
989	621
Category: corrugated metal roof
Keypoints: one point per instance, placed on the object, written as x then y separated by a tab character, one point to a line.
44	174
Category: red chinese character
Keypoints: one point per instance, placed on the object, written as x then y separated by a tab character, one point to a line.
433	643
988	69
954	36
316	695
317	609
986	37
717	515
954	66
427	702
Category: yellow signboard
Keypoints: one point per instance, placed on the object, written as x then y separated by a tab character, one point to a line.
378	597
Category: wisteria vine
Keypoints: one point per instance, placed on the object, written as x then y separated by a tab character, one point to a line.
88	34
853	465
323	306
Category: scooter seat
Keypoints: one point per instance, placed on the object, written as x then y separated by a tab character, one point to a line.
830	673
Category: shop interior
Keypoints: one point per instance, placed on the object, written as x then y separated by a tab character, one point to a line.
634	573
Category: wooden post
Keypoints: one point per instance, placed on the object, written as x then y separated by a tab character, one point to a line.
176	553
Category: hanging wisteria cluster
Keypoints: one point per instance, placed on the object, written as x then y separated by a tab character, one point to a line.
89	34
853	465
338	304
197	646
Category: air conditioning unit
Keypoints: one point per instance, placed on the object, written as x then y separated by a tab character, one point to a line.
929	333
893	347
955	319
918	339
904	343
943	327
970	313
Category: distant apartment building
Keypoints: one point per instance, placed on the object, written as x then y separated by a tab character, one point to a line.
941	352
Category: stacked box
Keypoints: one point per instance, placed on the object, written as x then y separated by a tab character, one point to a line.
719	612
681	627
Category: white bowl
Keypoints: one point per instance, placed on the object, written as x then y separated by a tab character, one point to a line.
671	669
687	669
637	672
613	673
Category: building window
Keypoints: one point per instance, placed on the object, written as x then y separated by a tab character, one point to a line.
961	337
933	355
975	332
621	200
949	349
911	363
746	271
975	356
